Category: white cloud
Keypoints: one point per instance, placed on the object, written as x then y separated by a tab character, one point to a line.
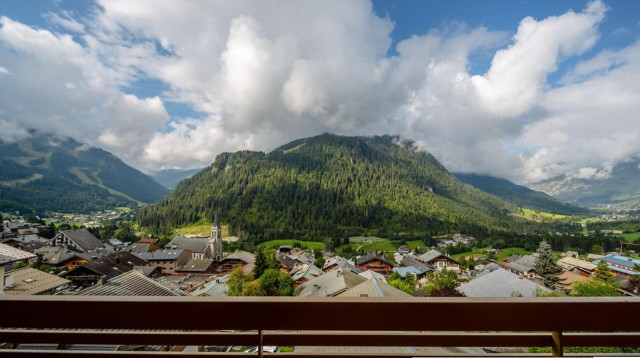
263	73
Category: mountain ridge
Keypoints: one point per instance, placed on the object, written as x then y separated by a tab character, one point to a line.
52	173
316	187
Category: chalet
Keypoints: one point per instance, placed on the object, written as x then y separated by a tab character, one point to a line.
138	247
522	266
130	283
10	255
286	262
375	287
370	275
439	261
148	240
500	283
28	243
340	262
80	240
22	228
197	266
305	273
374	262
404	249
619	264
568	278
104	268
213	287
29	281
330	284
168	259
412	262
510	259
581	267
239	258
197	246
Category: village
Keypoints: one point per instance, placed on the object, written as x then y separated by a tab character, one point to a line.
75	262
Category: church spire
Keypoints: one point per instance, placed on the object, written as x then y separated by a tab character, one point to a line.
216	220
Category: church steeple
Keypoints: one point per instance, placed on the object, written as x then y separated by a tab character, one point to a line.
215	240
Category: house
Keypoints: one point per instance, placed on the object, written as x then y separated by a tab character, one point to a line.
412	270
510	259
500	283
10	255
197	266
369	275
80	240
106	267
305	273
404	249
138	247
148	240
28	243
214	287
619	264
412	262
29	281
197	246
168	259
131	283
375	287
374	262
239	258
582	267
336	262
330	283
286	262
568	278
114	242
149	271
439	261
284	249
522	266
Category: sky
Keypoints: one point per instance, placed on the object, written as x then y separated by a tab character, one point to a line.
525	90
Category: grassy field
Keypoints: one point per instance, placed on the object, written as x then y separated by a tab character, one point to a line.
200	230
539	215
415	244
504	253
305	244
630	237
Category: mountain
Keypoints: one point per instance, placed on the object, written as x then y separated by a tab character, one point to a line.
520	195
621	186
169	178
330	186
49	173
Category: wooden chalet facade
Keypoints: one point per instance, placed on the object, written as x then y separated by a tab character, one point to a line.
374	262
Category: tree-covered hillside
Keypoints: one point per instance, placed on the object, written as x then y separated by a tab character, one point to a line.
520	195
47	173
331	185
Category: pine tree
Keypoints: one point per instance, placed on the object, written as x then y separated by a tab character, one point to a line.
603	273
260	264
546	266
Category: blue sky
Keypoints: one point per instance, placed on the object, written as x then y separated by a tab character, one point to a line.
508	88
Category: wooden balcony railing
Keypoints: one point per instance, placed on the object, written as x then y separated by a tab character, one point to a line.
305	321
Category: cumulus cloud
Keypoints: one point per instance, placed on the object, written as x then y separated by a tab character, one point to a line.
264	73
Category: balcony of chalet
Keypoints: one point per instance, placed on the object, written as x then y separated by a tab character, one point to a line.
51	326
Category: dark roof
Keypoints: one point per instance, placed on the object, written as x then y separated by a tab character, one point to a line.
110	266
195	265
138	247
408	262
244	256
432	255
160	255
131	283
193	244
512	258
286	260
84	239
370	256
340	262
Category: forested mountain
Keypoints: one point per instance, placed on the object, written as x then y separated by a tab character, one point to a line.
620	186
520	195
169	178
331	185
49	173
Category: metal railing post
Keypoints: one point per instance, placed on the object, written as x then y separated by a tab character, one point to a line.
260	340
556	349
